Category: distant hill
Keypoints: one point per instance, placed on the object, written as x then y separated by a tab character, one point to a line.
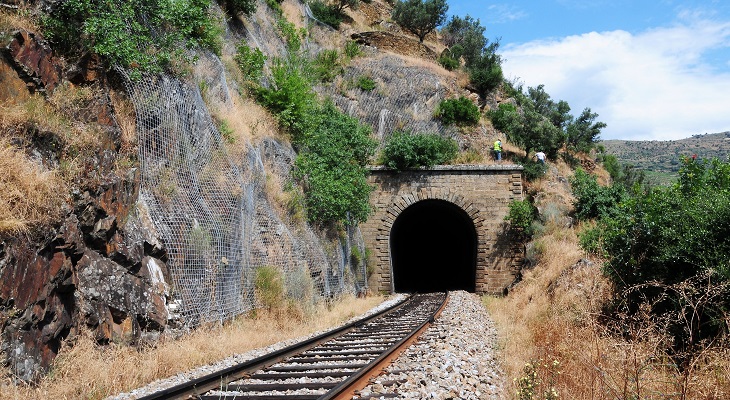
662	157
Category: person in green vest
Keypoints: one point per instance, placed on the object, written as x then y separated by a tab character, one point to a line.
498	149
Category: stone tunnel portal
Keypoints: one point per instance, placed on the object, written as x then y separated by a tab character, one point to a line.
433	247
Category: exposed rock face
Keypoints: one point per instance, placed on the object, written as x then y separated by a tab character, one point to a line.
396	43
34	61
104	270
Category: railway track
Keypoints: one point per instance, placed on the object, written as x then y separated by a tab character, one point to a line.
333	365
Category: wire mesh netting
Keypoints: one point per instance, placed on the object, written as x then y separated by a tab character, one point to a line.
213	213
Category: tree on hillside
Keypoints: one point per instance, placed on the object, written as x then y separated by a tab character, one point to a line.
533	126
485	73
465	38
583	132
420	17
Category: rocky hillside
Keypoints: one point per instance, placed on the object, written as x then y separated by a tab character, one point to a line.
663	156
163	194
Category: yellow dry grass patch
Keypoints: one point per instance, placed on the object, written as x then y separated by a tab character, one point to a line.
20	18
248	121
293	13
125	118
30	196
87	371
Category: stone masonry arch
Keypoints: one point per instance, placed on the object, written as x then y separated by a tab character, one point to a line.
483	193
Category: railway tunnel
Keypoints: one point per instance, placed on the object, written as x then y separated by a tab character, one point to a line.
433	247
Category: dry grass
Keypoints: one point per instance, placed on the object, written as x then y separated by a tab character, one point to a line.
33	111
30	197
125	118
550	322
20	18
293	13
248	121
86	371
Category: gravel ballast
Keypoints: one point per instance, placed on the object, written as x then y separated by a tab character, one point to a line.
454	359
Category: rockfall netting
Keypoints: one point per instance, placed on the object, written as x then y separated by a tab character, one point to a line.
405	96
214	216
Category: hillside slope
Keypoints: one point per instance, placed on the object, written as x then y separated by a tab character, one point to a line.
664	155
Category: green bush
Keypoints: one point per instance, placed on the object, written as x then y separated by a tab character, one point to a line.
269	286
590	239
404	150
326	13
250	61
533	170
289	95
521	215
352	49
331	166
234	7
138	35
327	65
227	132
366	83
505	117
461	111
485	73
291	35
591	199
669	249
448	61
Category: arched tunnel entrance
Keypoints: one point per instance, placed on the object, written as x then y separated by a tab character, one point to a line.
433	247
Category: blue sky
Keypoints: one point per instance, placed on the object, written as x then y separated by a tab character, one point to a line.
652	70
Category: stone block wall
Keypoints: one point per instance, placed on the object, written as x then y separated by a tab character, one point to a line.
482	191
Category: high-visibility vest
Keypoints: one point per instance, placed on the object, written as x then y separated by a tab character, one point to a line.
497	146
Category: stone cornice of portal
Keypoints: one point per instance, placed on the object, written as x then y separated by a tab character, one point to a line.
452	168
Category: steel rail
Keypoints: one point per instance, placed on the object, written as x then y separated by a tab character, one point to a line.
348	388
215	380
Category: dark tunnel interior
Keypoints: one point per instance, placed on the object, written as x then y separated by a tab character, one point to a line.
433	247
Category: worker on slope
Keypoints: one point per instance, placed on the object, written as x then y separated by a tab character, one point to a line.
498	150
540	157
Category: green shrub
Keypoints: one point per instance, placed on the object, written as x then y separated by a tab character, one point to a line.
669	249
590	239
138	35
366	83
234	7
352	49
521	215
591	199
291	35
505	117
461	111
269	286
289	95
227	132
250	61
326	13
448	61
533	170
331	166
327	65
485	74
404	150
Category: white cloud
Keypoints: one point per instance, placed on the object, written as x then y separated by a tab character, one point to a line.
653	85
501	13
